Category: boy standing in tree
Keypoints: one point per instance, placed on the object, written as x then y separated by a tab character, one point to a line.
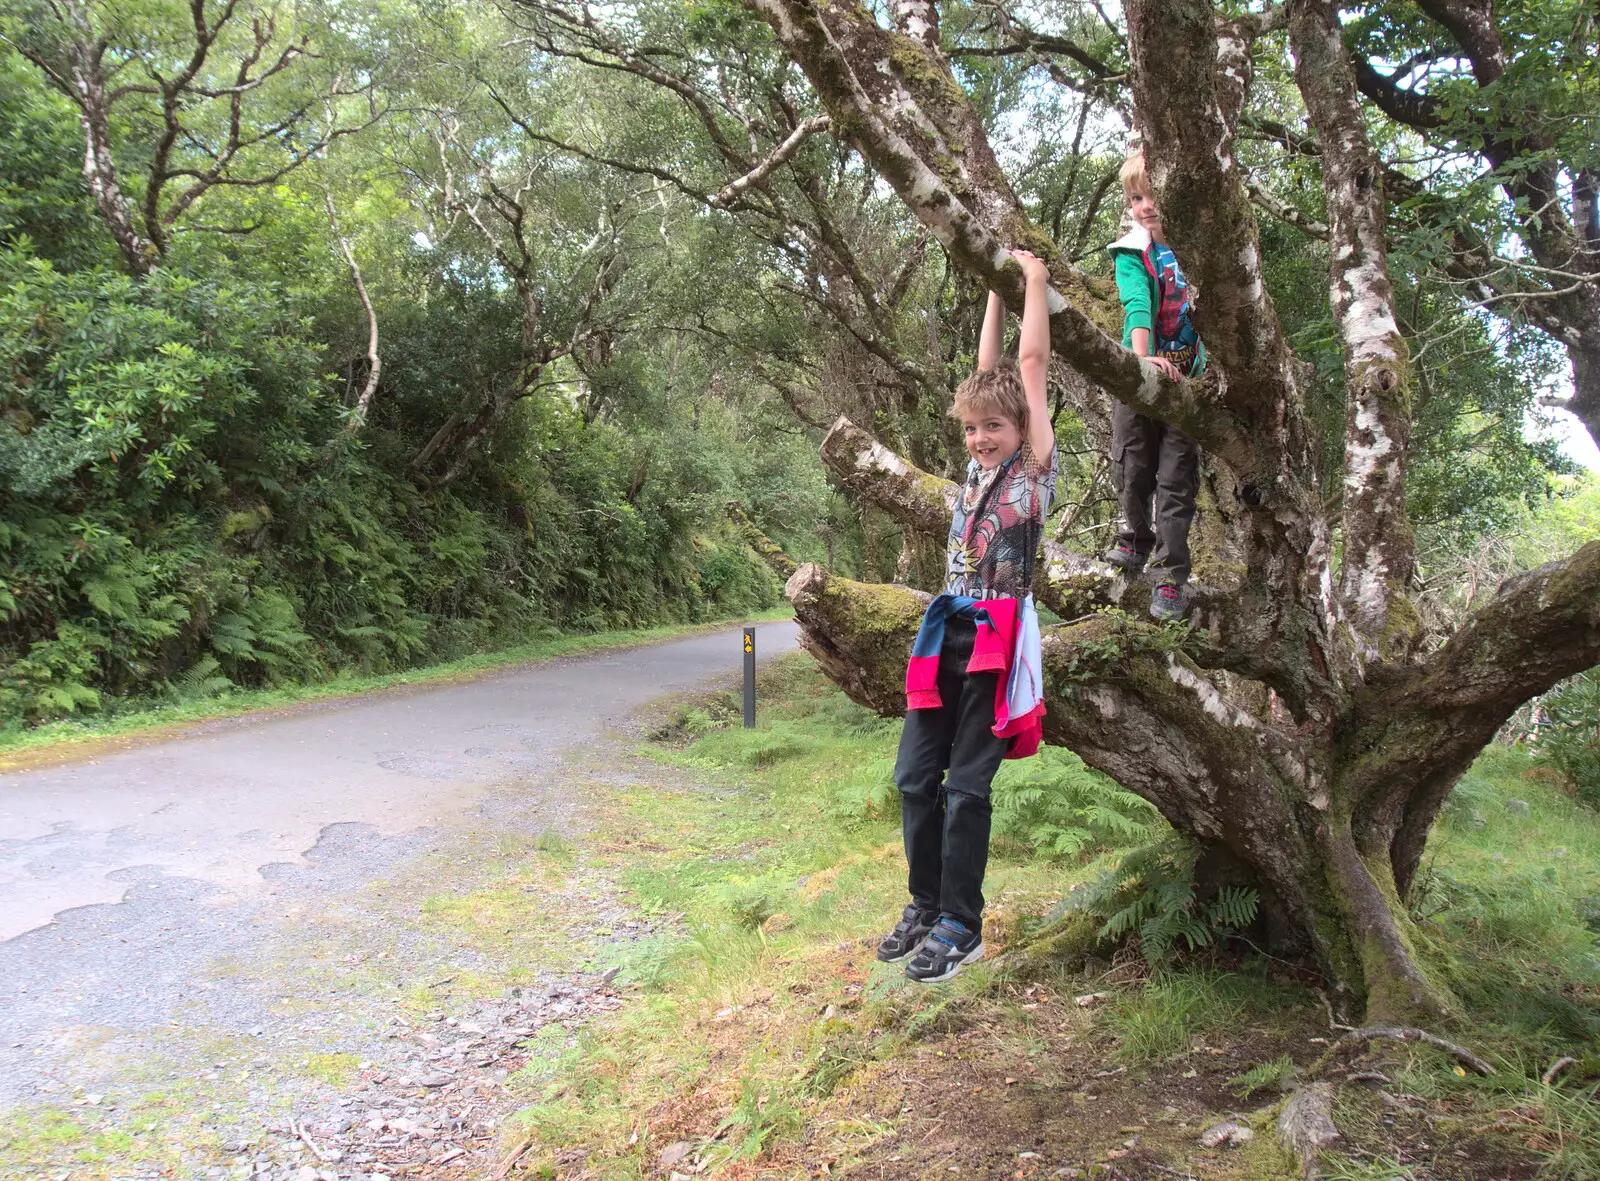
1148	458
972	686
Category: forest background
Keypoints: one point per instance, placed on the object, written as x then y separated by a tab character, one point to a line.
359	335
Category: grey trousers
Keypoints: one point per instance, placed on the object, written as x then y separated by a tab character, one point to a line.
1152	461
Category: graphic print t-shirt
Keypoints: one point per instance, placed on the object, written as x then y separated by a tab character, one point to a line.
997	524
1174	330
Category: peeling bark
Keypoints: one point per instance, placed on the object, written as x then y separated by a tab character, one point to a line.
1377	536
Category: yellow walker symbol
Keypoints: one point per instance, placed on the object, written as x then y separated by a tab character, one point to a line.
749	678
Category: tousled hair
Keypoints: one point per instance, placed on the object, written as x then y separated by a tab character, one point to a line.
994	391
1133	175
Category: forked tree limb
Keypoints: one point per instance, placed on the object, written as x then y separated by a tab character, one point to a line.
358	416
1424	728
895	102
783	153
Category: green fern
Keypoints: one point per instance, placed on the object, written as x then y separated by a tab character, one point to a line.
200	681
1151	894
1262	1076
1055	805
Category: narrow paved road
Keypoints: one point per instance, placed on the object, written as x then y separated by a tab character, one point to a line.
126	880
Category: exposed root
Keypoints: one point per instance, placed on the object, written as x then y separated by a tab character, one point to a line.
1556	1068
1404	1034
1306	1124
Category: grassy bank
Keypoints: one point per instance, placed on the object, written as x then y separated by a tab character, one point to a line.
75	737
766	1041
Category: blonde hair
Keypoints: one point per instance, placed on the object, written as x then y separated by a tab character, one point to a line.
1134	179
994	391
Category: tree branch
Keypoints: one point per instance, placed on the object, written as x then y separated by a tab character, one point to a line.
1376	533
358	416
1269	203
940	163
781	155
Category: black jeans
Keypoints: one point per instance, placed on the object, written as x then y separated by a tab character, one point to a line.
1150	460
945	816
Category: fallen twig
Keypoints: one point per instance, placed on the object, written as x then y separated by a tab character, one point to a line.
299	1130
1333	1022
1556	1068
1404	1034
512	1158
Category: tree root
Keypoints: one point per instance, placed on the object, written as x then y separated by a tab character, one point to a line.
1556	1068
1306	1124
1066	942
1404	1034
1306	1121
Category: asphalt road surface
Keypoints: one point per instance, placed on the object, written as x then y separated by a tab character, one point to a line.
123	877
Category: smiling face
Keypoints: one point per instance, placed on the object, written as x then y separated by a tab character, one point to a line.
991	437
1142	207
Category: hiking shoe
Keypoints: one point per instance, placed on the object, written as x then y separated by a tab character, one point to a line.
948	946
907	935
1167	602
1129	561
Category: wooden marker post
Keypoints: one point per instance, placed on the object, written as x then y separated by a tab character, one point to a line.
749	678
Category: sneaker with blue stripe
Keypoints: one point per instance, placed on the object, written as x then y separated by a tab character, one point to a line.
949	945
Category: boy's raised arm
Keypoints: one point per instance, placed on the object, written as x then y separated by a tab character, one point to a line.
1033	353
993	337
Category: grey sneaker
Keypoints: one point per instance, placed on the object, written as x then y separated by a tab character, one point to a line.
946	948
1129	561
907	935
1167	602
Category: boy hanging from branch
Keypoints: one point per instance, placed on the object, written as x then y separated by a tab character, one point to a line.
973	687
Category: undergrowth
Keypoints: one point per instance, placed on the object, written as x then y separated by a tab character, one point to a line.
764	1034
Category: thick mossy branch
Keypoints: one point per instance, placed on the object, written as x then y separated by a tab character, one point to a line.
859	632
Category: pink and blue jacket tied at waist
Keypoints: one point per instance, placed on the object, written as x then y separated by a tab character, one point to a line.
1007	643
